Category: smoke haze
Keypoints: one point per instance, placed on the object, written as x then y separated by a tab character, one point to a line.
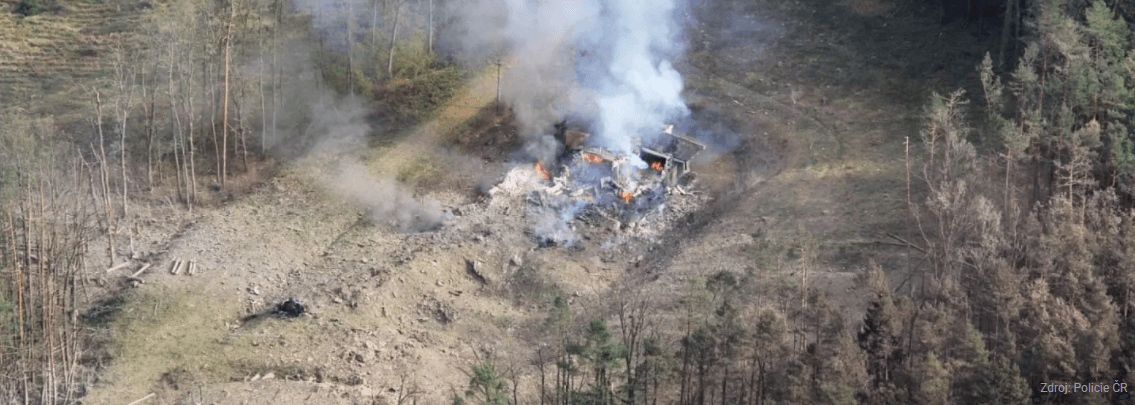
600	61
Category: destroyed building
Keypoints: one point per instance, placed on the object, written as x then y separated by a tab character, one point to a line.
667	153
639	191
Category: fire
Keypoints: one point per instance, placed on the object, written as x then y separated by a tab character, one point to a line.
626	197
656	166
592	158
543	172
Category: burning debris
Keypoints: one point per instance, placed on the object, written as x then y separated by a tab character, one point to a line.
543	172
591	183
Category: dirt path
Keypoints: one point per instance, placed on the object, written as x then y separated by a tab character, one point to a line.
423	141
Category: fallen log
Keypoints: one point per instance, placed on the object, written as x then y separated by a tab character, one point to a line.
119	266
192	267
142	399
905	242
176	267
140	271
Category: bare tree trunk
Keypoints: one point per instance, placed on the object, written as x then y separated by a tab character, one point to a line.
105	177
125	97
393	40
540	363
177	135
260	86
191	177
276	74
227	95
148	102
213	127
242	127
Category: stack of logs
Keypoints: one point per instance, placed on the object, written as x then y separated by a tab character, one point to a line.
177	267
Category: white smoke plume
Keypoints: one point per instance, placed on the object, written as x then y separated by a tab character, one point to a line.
339	128
601	61
383	199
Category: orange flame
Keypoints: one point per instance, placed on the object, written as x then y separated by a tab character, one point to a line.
543	173
656	166
626	197
592	158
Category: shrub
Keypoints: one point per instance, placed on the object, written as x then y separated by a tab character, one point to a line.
33	7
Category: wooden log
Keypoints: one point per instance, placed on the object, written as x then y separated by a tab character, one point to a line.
139	272
183	266
119	266
142	399
175	267
192	267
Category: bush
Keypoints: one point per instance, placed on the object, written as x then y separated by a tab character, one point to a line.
33	7
418	96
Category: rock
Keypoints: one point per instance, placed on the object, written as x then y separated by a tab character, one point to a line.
268	376
516	260
474	270
356	380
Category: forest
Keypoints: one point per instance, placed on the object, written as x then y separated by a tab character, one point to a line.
1016	227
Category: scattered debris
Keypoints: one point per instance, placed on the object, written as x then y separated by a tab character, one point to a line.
290	308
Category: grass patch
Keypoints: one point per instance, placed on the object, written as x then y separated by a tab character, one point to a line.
421	171
471	129
158	329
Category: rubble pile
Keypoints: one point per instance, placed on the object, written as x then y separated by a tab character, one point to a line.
594	193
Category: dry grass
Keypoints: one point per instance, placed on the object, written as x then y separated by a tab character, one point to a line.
47	58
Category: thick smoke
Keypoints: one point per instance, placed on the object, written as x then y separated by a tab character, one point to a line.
340	128
603	62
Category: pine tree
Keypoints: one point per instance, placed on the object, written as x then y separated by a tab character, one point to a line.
934	383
